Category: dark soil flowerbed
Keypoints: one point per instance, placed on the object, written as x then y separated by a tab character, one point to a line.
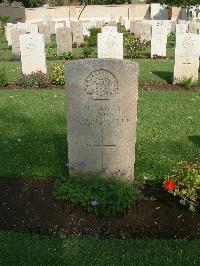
28	206
142	86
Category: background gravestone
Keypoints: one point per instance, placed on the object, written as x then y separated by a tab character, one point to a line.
110	43
101	115
15	33
77	32
32	53
158	40
63	40
187	57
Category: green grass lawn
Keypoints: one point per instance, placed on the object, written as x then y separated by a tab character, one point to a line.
25	249
33	137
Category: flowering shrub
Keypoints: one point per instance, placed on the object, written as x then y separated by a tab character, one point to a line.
3	78
134	47
92	39
98	194
35	79
56	74
87	51
66	56
185	183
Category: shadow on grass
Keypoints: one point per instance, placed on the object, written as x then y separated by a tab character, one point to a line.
32	147
165	75
195	140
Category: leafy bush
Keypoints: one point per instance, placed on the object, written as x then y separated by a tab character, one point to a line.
87	51
92	39
56	2
48	49
97	194
171	39
3	78
185	183
56	74
188	83
66	56
134	47
35	79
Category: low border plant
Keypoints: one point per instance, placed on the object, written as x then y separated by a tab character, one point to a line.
98	194
36	79
184	182
3	78
56	74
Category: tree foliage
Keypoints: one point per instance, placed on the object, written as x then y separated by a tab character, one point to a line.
181	3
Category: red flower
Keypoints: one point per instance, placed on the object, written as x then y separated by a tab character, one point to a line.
170	185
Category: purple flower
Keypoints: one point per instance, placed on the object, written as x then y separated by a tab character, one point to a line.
120	172
93	202
67	165
83	163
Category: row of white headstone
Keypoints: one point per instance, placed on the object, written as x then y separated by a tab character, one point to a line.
110	45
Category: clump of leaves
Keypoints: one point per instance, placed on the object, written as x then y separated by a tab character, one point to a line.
185	183
92	39
134	47
88	51
171	39
97	194
35	79
56	74
66	56
48	50
3	78
188	83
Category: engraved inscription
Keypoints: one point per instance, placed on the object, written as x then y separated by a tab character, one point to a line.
105	116
101	85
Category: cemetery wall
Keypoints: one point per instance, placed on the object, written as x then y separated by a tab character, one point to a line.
15	13
134	11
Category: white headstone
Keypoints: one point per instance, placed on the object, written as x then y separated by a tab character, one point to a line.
158	41
110	44
33	53
186	57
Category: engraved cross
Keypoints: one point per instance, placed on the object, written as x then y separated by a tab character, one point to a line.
187	63
101	145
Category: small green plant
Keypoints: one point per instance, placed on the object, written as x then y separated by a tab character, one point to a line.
185	183
134	47
123	30
171	39
3	78
188	83
56	74
103	196
92	39
35	79
48	50
4	20
88	51
66	56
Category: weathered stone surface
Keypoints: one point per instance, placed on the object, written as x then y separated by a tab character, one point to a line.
32	53
15	33
101	115
63	40
146	32
44	29
110	44
158	40
186	57
77	32
181	28
135	28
